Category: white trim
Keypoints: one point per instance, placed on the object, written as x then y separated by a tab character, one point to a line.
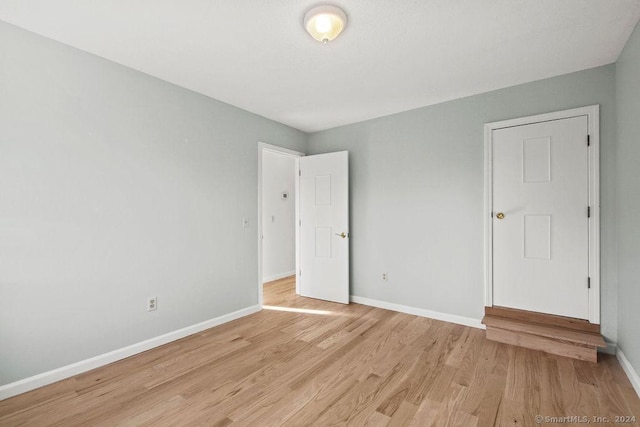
628	369
297	225
546	117
593	119
278	276
445	317
263	146
486	214
45	378
593	116
279	150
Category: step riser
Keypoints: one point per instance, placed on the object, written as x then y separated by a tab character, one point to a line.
570	336
548	345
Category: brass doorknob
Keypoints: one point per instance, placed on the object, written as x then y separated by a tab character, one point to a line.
500	215
343	235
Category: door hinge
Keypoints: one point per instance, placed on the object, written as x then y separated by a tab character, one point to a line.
588	140
300	223
491	214
588	282
299	172
588	211
300	273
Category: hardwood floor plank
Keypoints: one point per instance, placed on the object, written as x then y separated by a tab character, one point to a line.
353	402
37	401
467	356
610	394
455	395
439	386
427	413
347	333
512	413
569	386
532	385
377	420
552	399
462	419
303	361
614	369
584	372
403	415
632	403
323	395
361	402
313	399
487	385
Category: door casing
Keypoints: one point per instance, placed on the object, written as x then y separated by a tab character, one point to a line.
263	146
593	118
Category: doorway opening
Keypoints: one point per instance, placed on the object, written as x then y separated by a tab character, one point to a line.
542	218
278	214
320	243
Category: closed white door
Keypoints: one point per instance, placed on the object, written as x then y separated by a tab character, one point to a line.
540	217
324	226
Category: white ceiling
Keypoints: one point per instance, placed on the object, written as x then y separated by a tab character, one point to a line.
395	55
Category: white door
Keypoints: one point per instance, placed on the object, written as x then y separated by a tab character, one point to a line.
540	217
324	226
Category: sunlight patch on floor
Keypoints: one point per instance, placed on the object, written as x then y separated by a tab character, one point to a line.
299	310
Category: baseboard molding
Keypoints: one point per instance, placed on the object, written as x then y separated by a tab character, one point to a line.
451	318
45	378
278	276
628	369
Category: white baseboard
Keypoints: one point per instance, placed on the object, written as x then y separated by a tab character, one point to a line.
628	369
452	318
28	384
278	276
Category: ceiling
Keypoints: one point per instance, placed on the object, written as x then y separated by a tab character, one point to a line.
395	55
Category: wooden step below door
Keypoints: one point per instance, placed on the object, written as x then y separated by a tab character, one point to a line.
558	335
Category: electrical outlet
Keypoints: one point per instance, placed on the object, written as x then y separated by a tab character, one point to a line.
152	303
385	277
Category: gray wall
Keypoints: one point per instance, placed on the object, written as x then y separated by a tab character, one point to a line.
114	187
417	193
628	108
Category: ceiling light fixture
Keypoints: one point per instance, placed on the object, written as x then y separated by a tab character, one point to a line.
325	22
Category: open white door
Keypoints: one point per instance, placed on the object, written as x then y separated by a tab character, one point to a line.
324	226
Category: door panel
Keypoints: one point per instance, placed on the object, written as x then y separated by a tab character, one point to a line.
324	228
540	223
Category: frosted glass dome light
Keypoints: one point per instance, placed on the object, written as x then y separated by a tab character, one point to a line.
325	22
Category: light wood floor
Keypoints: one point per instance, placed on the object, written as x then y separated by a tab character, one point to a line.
304	361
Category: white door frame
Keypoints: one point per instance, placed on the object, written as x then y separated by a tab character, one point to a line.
593	119
263	146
